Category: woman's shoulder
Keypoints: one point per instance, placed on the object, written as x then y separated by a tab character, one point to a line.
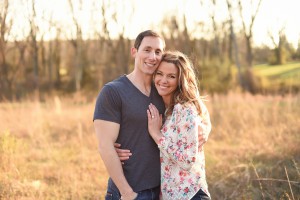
185	107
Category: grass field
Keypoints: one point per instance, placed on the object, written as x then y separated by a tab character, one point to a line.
48	150
276	77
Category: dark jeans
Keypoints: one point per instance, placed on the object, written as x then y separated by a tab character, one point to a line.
200	195
149	194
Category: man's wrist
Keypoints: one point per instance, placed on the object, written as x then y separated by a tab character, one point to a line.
130	195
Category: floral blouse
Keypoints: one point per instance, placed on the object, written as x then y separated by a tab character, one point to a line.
182	162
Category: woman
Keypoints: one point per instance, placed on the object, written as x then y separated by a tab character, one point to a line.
182	157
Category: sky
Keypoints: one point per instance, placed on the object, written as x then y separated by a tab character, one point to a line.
272	16
138	15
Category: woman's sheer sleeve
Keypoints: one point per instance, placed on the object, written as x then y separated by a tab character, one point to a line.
180	140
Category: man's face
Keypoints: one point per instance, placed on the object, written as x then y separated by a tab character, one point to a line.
149	54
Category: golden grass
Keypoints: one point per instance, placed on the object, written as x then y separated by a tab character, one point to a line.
253	134
49	151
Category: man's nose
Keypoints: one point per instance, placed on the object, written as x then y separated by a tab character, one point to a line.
152	55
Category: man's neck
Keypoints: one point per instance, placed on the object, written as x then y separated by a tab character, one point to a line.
141	82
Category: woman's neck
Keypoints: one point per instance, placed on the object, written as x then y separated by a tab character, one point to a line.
167	101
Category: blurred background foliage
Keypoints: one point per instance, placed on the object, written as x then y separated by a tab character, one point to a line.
71	63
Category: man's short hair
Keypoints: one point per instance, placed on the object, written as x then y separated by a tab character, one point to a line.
147	33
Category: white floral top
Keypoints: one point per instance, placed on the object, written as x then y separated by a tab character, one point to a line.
182	162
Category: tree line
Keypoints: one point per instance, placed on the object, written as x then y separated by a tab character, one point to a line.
72	62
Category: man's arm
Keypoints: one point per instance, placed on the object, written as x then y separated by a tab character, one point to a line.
107	133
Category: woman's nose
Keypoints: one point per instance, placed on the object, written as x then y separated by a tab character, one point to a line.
164	79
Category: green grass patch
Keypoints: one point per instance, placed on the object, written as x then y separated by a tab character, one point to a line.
279	77
291	70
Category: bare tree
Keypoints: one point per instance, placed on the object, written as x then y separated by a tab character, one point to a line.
235	48
104	41
78	45
21	45
53	57
186	39
32	17
176	33
248	31
212	14
57	57
279	45
113	58
5	27
173	30
122	47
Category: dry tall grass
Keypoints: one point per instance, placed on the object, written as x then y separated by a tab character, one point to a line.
254	139
49	151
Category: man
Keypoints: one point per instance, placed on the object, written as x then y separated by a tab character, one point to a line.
120	116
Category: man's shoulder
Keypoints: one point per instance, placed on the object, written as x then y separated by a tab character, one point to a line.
117	83
118	80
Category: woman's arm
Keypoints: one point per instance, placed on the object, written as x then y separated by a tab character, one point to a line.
180	141
180	136
204	127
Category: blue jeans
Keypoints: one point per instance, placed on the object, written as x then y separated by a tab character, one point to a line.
149	194
200	195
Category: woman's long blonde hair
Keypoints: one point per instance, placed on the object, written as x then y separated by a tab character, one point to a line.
187	90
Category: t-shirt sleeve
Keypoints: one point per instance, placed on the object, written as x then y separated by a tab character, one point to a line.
108	105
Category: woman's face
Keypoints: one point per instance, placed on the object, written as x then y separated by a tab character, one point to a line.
166	79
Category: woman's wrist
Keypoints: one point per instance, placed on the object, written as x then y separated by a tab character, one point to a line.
156	136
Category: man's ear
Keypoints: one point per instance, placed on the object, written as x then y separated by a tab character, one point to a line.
133	51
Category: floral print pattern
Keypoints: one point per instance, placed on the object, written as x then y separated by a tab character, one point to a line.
182	161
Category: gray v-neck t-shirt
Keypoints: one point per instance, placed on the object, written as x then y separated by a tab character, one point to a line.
121	102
